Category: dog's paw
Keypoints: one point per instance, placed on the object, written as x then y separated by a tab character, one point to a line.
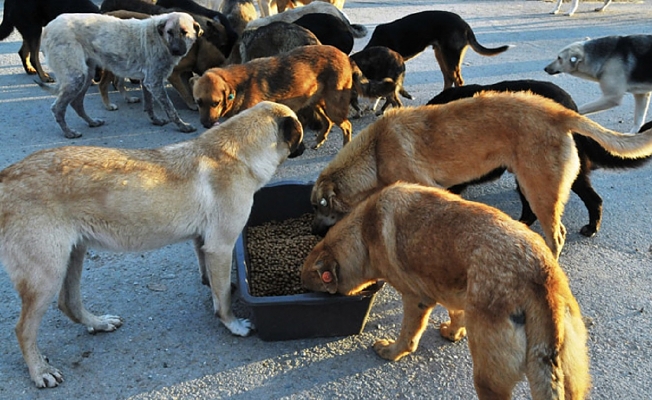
132	100
589	230
186	128
159	122
105	323
72	134
451	334
111	107
239	326
387	349
49	377
96	122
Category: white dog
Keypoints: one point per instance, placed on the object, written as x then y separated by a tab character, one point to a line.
148	50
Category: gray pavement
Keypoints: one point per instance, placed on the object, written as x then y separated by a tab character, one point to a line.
171	346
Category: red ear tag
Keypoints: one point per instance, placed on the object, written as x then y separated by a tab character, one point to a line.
327	276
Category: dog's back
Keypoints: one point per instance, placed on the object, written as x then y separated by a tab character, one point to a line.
634	52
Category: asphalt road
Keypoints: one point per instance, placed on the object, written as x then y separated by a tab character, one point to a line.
171	346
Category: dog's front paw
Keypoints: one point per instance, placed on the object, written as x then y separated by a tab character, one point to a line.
186	128
96	122
450	333
105	323
239	326
388	350
72	134
159	122
132	100
111	107
47	377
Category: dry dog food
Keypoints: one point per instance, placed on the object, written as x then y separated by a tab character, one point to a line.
276	251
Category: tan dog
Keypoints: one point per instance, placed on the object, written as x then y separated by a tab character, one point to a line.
57	203
314	77
445	145
496	278
148	50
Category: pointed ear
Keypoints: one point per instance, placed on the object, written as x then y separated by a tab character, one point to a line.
328	275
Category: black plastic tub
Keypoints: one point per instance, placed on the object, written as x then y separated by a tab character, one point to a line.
302	315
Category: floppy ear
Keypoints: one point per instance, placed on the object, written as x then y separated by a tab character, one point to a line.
192	81
292	133
328	275
161	27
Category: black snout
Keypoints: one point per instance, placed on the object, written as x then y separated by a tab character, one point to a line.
298	151
178	48
319	228
550	71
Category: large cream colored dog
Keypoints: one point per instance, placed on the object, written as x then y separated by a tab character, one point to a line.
56	203
496	278
446	145
148	50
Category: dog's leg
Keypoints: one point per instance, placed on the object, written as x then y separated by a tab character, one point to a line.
444	66
604	6
415	321
68	92
573	7
201	260
156	89
557	7
612	95
70	301
103	88
218	265
499	352
641	104
327	125
148	106
32	50
592	200
180	81
77	103
24	55
454	330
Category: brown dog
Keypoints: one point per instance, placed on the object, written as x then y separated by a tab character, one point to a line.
58	202
496	278
314	77
445	145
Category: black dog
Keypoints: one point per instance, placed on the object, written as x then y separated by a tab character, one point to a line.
329	30
29	17
378	63
446	32
591	154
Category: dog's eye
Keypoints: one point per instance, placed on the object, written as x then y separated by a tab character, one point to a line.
183	32
215	104
199	102
323	202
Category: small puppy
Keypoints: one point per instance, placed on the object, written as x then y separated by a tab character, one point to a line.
379	63
497	279
319	78
620	64
56	203
447	33
575	4
76	44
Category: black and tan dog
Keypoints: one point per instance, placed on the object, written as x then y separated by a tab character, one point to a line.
319	78
380	63
445	145
58	202
592	155
29	17
446	32
498	280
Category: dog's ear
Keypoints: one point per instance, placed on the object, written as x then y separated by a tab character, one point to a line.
192	81
198	30
328	274
292	134
161	27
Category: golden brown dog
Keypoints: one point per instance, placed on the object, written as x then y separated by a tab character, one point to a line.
314	77
445	145
497	279
56	203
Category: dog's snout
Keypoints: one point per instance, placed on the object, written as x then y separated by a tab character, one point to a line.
301	147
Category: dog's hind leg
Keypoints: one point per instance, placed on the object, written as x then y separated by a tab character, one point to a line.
450	63
641	104
77	103
157	91
70	301
68	91
327	125
29	53
592	200
604	6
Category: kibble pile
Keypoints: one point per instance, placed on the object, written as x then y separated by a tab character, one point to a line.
276	251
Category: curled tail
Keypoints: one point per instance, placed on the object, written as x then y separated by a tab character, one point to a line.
616	143
480	49
557	355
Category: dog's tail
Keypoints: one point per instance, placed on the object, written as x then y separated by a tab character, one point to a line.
358	31
370	88
557	357
480	49
50	88
618	144
7	25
